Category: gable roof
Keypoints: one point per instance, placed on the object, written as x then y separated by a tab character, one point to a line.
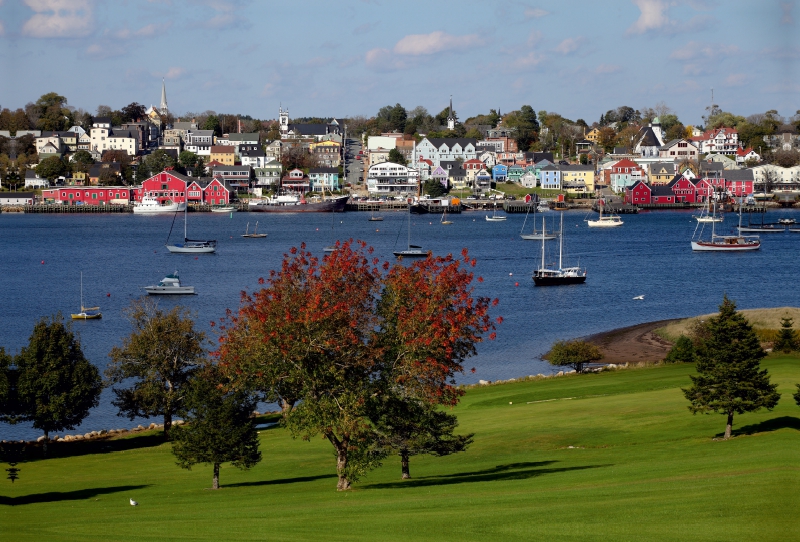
662	190
223	149
626	162
656	167
450	141
648	138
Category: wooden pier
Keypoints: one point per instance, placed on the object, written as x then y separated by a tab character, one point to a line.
45	208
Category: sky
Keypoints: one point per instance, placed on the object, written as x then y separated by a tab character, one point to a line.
351	57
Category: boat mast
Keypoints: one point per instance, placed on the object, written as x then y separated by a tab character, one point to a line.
185	212
542	251
560	242
81	291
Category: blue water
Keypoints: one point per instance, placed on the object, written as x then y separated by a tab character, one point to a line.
649	255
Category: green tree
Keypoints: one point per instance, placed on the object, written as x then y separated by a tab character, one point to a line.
786	341
212	123
681	352
474	133
397	118
81	161
156	361
219	426
154	163
133	112
575	354
433	188
412	427
108	177
8	403
51	168
397	157
526	124
187	159
199	169
729	379
57	385
53	113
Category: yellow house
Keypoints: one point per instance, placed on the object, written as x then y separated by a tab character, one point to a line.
577	178
593	135
661	172
328	153
224	154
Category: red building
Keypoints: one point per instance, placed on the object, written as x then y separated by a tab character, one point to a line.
88	195
209	191
639	193
167	185
684	189
662	195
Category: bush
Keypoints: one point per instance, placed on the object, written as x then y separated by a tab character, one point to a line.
682	351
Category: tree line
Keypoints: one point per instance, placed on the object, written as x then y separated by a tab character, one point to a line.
359	351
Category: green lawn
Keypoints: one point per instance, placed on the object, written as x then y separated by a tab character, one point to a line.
612	456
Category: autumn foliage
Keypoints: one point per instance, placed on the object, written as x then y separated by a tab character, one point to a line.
332	336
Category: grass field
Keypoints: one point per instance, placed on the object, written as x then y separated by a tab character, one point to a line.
760	319
609	456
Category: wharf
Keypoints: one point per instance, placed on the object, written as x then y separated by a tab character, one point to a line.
624	209
49	208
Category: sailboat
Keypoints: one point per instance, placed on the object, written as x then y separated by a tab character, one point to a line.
760	228
413	251
189	246
87	313
608	221
726	243
444	220
332	248
372	217
255	234
561	276
709	216
494	217
536	235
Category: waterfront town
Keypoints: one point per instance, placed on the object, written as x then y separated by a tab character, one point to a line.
51	154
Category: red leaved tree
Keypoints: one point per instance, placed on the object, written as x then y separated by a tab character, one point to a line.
332	336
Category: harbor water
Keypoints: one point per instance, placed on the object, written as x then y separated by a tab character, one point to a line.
42	256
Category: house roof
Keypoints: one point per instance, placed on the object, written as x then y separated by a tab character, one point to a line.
739	175
577	167
253	154
214	163
648	138
323	170
626	162
223	149
656	167
96	169
661	190
673	143
451	141
676	179
250	136
224	168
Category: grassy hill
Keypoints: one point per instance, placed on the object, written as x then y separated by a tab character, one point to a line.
610	456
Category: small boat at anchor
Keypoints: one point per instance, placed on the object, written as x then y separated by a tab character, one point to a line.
224	209
152	205
189	246
87	313
255	234
170	285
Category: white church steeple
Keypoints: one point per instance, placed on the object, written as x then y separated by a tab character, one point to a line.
163	108
451	118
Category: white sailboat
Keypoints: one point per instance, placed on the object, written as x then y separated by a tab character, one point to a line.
255	234
413	251
537	235
87	313
494	217
607	221
725	243
445	221
189	246
708	216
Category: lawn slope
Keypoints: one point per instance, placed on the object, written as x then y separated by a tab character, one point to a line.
610	456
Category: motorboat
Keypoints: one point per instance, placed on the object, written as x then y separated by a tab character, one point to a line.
787	221
170	285
224	209
293	203
152	205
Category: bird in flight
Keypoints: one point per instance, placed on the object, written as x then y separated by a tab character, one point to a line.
639	297
134	503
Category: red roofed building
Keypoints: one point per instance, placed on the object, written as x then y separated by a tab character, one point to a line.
743	155
720	140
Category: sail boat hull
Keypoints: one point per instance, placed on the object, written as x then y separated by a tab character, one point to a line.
735	244
557	280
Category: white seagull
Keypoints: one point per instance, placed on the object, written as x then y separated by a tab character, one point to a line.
640	297
134	503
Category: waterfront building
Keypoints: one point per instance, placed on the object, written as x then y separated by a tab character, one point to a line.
390	179
297	181
168	185
550	178
446	148
500	173
210	191
95	195
577	176
324	179
514	173
625	173
224	154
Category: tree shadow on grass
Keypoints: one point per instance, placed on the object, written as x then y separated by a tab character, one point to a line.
56	496
101	445
513	471
281	481
782	422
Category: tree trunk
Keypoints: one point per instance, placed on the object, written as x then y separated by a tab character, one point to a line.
341	464
404	464
286	406
167	423
729	426
44	443
215	484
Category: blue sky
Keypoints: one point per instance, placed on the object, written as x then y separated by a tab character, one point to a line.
342	58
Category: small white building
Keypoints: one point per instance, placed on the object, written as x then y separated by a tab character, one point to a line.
17	198
390	179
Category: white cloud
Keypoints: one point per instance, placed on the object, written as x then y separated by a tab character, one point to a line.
435	42
383	60
59	19
653	16
528	61
535	13
607	68
148	30
174	73
569	45
706	50
737	80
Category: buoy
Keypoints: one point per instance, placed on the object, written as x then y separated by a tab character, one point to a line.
42	262
511	274
108	294
516	284
317	229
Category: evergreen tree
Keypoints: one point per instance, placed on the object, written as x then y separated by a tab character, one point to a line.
396	157
681	352
156	361
219	427
730	380
797	395
786	341
412	427
56	384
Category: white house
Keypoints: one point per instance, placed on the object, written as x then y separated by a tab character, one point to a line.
253	158
445	149
17	198
388	178
678	149
199	142
104	138
721	140
650	139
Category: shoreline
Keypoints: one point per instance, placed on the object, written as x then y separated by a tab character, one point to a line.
633	344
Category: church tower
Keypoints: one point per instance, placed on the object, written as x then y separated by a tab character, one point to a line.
283	117
163	108
451	118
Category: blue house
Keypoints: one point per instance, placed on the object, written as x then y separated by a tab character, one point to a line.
324	178
550	178
500	173
515	173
